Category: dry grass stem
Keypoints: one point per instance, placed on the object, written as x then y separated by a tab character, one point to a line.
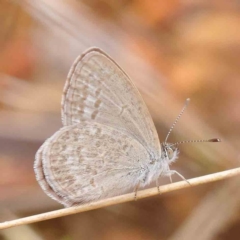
120	199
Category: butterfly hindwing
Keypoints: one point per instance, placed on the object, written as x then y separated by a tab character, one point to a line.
89	161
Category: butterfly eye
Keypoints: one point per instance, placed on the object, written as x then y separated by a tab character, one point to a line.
170	153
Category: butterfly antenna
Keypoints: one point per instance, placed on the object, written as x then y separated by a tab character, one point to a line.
178	117
197	141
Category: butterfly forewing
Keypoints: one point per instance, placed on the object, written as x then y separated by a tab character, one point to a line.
98	90
89	161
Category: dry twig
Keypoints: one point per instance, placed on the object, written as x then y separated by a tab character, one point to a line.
120	199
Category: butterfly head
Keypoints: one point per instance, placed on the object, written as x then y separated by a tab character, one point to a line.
170	151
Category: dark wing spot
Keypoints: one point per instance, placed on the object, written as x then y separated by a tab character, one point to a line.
94	114
92	182
97	92
97	103
125	147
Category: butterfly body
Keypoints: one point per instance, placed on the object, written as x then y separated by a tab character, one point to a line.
108	143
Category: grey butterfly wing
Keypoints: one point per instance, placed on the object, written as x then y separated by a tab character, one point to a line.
89	161
98	90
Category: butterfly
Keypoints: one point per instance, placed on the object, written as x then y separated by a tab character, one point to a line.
108	143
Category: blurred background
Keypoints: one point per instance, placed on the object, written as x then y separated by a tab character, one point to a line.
172	50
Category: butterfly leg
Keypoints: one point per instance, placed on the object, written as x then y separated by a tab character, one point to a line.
157	185
135	191
170	177
180	175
